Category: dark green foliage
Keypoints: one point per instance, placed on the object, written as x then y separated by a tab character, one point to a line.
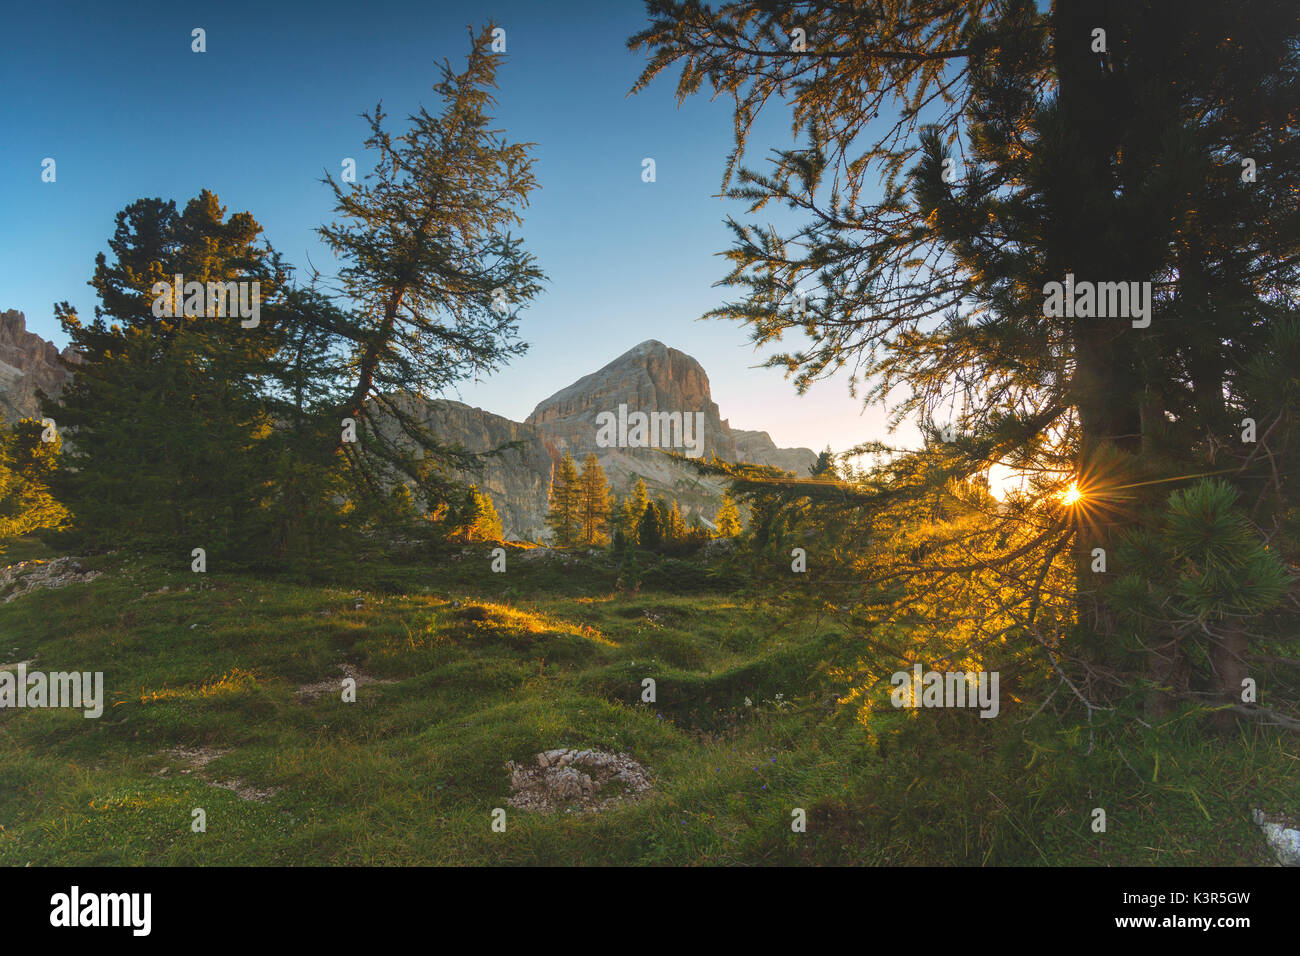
650	529
1190	587
297	439
676	576
482	521
164	416
563	516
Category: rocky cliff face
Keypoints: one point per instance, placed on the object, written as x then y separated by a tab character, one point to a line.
650	378
27	363
517	480
759	449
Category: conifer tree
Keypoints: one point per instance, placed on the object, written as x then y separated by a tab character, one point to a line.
564	517
634	508
824	466
432	276
484	524
1022	144
26	466
727	520
649	529
594	503
273	440
674	525
313	514
165	411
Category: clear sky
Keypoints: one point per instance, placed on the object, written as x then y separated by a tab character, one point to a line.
113	93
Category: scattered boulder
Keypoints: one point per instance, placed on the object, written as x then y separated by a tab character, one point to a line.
27	576
193	758
717	548
545	554
1282	835
578	781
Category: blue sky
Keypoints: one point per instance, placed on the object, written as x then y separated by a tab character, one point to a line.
114	94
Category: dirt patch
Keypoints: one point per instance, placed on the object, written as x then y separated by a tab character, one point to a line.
37	575
246	792
310	692
577	781
194	759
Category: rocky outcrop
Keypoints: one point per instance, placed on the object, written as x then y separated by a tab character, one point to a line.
650	377
28	363
1282	836
581	781
17	580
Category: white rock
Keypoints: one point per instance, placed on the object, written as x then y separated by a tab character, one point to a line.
1284	841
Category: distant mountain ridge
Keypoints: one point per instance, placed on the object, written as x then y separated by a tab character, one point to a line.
648	378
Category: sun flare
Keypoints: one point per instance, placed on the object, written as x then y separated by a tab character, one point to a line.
1071	495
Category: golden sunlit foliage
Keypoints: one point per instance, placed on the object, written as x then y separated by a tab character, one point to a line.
235	681
26	463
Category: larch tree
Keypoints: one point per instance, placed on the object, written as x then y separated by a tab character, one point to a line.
432	275
594	503
29	456
564	516
634	508
727	521
484	523
674	525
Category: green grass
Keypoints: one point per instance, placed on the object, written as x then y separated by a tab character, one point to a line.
487	668
18	550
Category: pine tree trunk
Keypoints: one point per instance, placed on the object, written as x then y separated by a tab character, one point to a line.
1167	667
1228	656
1104	386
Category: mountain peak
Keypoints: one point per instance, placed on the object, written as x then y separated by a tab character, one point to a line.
647	377
649	353
653	378
647	345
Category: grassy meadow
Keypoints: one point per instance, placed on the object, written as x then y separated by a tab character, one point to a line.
463	670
